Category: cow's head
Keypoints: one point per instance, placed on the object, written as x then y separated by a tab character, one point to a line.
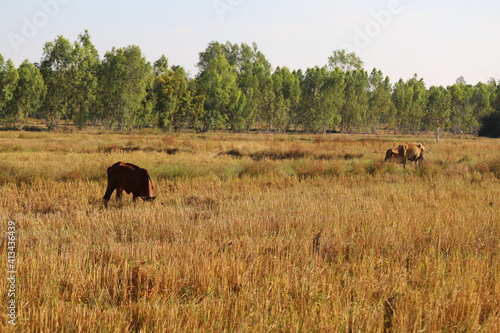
149	198
390	154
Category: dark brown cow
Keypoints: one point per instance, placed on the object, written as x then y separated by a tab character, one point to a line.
413	152
131	179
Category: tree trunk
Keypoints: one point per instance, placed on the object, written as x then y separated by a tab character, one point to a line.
437	135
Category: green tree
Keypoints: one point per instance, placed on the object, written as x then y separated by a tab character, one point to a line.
173	99
273	111
9	77
196	113
460	81
345	61
438	110
490	124
356	90
461	108
282	97
28	96
410	99
356	96
213	50
254	73
56	67
160	66
379	103
495	101
482	99
322	99
125	78
223	99
84	83
176	103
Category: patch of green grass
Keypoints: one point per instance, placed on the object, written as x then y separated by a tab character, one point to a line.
179	170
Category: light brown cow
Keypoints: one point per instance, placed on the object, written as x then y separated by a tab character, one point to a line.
413	152
131	179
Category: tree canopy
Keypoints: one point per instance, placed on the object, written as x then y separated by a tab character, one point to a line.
235	89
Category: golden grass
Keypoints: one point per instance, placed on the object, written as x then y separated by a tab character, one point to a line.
313	242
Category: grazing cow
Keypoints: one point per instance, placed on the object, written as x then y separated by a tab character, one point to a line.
413	152
131	179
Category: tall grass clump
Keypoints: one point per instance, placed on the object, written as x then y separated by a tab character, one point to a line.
494	167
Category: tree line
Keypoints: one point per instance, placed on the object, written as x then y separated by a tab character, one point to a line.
235	89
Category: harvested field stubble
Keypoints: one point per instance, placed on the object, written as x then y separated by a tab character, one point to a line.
238	244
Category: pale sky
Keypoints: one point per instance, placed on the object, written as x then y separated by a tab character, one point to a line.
439	40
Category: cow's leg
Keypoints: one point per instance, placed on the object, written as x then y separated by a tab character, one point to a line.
134	197
418	160
404	163
119	193
109	190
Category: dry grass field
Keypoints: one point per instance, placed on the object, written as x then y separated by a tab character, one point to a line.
252	233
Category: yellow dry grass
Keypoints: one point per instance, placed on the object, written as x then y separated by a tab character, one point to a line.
252	233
